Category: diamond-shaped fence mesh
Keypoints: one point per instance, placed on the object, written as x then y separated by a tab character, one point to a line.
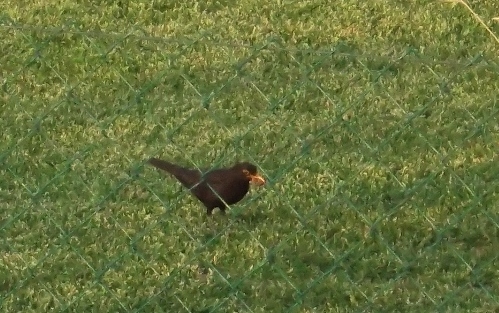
381	171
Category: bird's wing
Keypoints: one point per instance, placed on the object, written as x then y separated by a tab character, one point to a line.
219	180
227	184
216	177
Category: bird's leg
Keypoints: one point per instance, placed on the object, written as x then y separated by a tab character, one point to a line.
210	221
222	211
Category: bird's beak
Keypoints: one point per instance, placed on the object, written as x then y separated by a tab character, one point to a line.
257	180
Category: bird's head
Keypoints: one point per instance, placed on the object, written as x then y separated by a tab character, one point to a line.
251	173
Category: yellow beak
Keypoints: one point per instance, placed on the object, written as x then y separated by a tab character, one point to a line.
257	180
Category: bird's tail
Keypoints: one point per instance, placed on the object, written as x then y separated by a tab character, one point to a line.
164	165
186	176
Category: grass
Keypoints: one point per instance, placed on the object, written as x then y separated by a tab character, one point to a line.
375	125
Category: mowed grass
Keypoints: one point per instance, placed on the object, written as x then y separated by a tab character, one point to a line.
376	126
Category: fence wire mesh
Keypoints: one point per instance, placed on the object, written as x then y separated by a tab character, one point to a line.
381	171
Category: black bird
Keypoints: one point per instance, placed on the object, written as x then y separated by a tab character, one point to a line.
216	188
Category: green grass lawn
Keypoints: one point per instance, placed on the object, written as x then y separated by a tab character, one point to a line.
375	124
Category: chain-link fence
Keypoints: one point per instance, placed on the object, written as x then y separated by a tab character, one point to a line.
381	169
